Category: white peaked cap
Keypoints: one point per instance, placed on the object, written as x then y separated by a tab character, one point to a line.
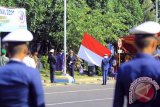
52	50
20	35
105	54
148	27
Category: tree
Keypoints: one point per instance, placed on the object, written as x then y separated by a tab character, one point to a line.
149	13
103	19
93	19
44	19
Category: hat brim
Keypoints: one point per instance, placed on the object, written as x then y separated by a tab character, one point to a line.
149	27
20	35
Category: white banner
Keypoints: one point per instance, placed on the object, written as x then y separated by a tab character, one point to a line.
12	19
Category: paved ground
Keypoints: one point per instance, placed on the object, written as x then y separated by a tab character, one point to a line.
86	80
79	96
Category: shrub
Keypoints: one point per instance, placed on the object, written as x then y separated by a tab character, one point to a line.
99	71
45	64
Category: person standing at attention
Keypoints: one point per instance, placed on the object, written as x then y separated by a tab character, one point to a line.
71	60
139	79
105	68
20	85
52	63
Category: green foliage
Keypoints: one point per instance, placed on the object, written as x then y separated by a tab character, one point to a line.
45	70
44	61
99	71
103	19
149	12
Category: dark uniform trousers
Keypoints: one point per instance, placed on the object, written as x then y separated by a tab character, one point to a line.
52	73
105	67
71	65
52	62
105	75
71	70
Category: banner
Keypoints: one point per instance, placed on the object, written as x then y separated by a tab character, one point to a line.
12	19
92	50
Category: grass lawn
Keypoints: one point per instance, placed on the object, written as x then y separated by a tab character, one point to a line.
58	74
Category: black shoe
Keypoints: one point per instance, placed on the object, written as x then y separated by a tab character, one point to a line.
53	82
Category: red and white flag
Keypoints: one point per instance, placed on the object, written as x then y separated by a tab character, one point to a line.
92	51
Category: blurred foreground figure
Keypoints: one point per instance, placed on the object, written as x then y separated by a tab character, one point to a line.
139	79
20	85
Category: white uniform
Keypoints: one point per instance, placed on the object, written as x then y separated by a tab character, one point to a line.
29	62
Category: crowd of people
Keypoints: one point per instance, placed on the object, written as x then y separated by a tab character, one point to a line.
109	64
31	59
74	63
56	63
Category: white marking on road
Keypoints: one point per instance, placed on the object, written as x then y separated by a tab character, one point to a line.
82	101
80	91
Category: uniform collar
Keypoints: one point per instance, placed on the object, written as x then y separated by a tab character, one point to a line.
15	59
143	55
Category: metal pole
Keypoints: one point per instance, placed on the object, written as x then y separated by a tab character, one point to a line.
119	54
64	37
119	59
156	10
0	43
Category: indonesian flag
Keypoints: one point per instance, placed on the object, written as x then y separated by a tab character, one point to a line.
92	51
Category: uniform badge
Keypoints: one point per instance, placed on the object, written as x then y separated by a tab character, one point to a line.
143	89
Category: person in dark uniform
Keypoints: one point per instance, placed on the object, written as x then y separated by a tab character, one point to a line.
59	62
71	60
139	79
105	68
62	60
52	63
20	85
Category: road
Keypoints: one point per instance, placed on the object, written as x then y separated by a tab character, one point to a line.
79	96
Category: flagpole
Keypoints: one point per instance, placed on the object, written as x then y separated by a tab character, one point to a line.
64	37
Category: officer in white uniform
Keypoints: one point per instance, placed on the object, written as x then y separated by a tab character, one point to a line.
29	61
